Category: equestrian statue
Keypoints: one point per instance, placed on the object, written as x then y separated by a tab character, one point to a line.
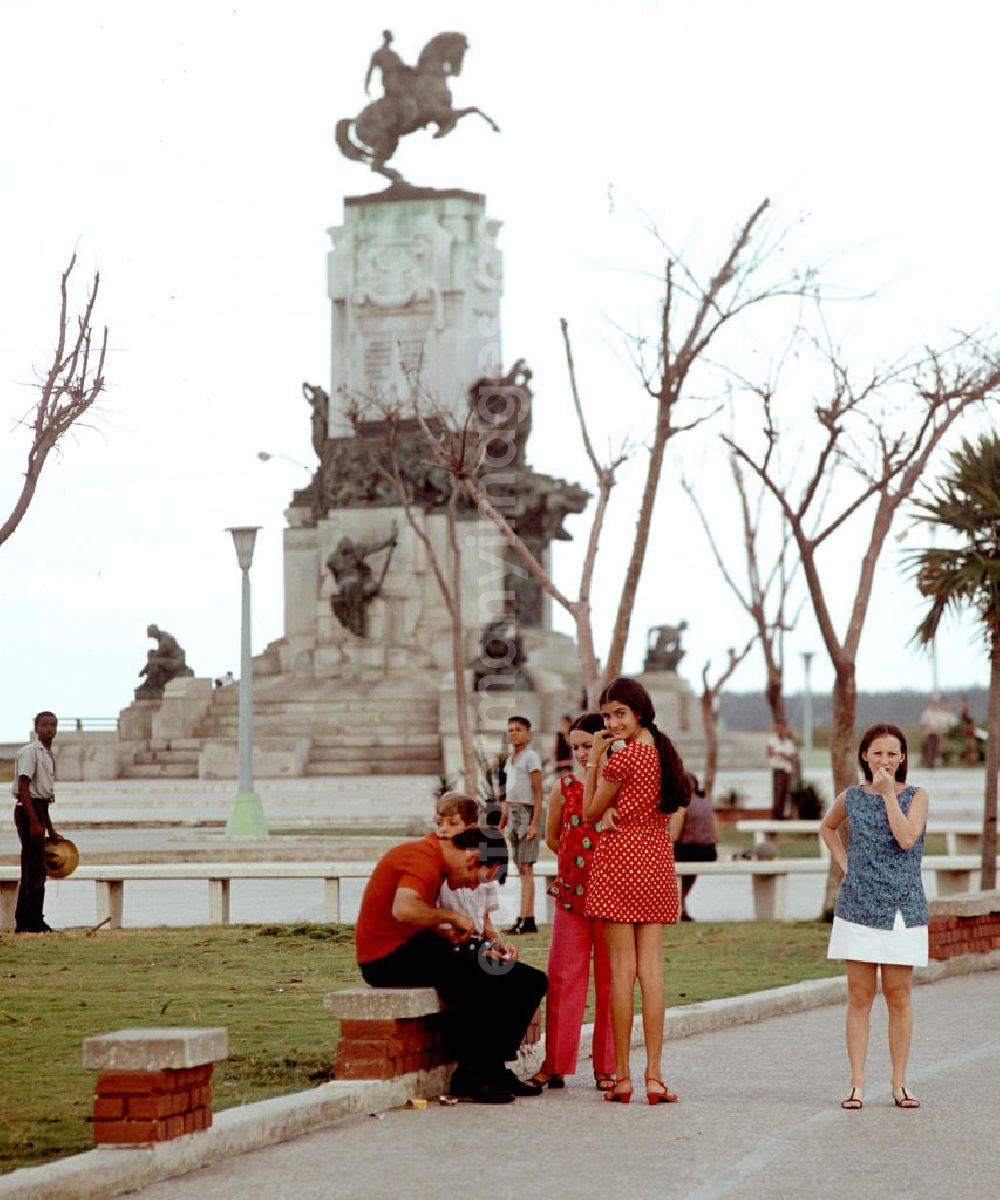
414	97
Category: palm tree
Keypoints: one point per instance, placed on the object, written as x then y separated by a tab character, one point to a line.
966	501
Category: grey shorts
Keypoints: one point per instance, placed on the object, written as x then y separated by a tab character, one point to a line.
522	849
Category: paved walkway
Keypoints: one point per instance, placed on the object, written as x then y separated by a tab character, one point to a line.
758	1117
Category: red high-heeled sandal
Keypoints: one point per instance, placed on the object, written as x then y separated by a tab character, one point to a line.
618	1096
664	1097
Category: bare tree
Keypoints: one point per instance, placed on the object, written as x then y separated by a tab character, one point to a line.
449	579
710	693
454	457
764	597
887	445
692	313
69	388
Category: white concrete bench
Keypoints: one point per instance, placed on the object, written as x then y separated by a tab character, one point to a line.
962	836
768	877
953	874
111	880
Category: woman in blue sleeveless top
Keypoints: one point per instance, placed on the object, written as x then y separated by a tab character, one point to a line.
880	918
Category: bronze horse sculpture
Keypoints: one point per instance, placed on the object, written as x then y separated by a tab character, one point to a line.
415	97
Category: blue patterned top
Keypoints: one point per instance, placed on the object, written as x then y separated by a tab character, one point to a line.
881	876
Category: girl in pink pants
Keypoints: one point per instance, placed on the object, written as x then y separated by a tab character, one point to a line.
575	936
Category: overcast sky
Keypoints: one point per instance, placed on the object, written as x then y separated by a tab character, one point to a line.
186	151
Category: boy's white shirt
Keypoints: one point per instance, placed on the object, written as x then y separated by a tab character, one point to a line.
476	903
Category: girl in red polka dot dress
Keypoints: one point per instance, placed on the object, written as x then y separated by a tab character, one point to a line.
633	885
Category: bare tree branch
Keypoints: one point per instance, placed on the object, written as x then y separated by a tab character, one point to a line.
72	384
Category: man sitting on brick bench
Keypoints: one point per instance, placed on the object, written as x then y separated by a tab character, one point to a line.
403	940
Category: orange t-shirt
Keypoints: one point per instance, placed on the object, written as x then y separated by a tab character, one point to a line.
415	865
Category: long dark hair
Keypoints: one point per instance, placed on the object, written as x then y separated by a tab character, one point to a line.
877	731
675	787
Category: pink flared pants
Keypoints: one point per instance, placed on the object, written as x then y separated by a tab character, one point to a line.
574	938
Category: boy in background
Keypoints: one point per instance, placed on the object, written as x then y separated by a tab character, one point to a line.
522	812
455	813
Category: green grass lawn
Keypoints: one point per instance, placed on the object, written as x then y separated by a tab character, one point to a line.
265	984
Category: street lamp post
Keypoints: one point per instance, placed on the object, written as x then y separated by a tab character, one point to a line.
246	812
807	708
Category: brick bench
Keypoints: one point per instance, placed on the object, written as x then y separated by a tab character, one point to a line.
968	924
154	1084
387	1032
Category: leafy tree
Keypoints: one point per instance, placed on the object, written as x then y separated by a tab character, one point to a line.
966	502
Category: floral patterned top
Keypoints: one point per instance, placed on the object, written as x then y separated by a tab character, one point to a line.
577	839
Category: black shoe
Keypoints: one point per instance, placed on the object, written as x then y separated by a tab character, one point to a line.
518	1087
515	929
528	925
479	1090
685	917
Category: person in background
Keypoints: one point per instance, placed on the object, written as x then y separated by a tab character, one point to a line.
784	760
930	735
575	936
880	917
522	814
695	832
34	790
970	751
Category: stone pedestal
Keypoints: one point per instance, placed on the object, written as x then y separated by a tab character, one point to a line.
135	723
673	700
415	280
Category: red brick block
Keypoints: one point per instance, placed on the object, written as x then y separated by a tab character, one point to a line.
175	1127
353	1063
109	1108
150	1108
181	1102
142	1082
373	1029
128	1131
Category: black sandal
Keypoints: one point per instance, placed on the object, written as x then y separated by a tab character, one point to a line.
904	1099
544	1079
853	1102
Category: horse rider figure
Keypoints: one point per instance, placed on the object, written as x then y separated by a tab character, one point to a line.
413	98
398	80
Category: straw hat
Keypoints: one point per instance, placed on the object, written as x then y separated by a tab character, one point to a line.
61	858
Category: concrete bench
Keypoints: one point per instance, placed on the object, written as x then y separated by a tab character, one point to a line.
154	1084
111	880
768	878
962	836
387	1032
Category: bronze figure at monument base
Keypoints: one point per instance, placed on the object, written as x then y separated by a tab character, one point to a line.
168	661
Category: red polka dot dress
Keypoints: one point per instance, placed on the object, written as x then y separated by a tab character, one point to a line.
632	876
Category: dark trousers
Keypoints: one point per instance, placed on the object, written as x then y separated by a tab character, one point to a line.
491	1005
781	785
31	891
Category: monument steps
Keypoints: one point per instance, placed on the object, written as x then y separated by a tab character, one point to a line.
161	770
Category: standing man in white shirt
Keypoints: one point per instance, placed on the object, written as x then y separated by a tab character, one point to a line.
521	814
34	791
784	760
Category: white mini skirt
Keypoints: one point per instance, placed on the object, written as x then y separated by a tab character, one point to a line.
899	946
